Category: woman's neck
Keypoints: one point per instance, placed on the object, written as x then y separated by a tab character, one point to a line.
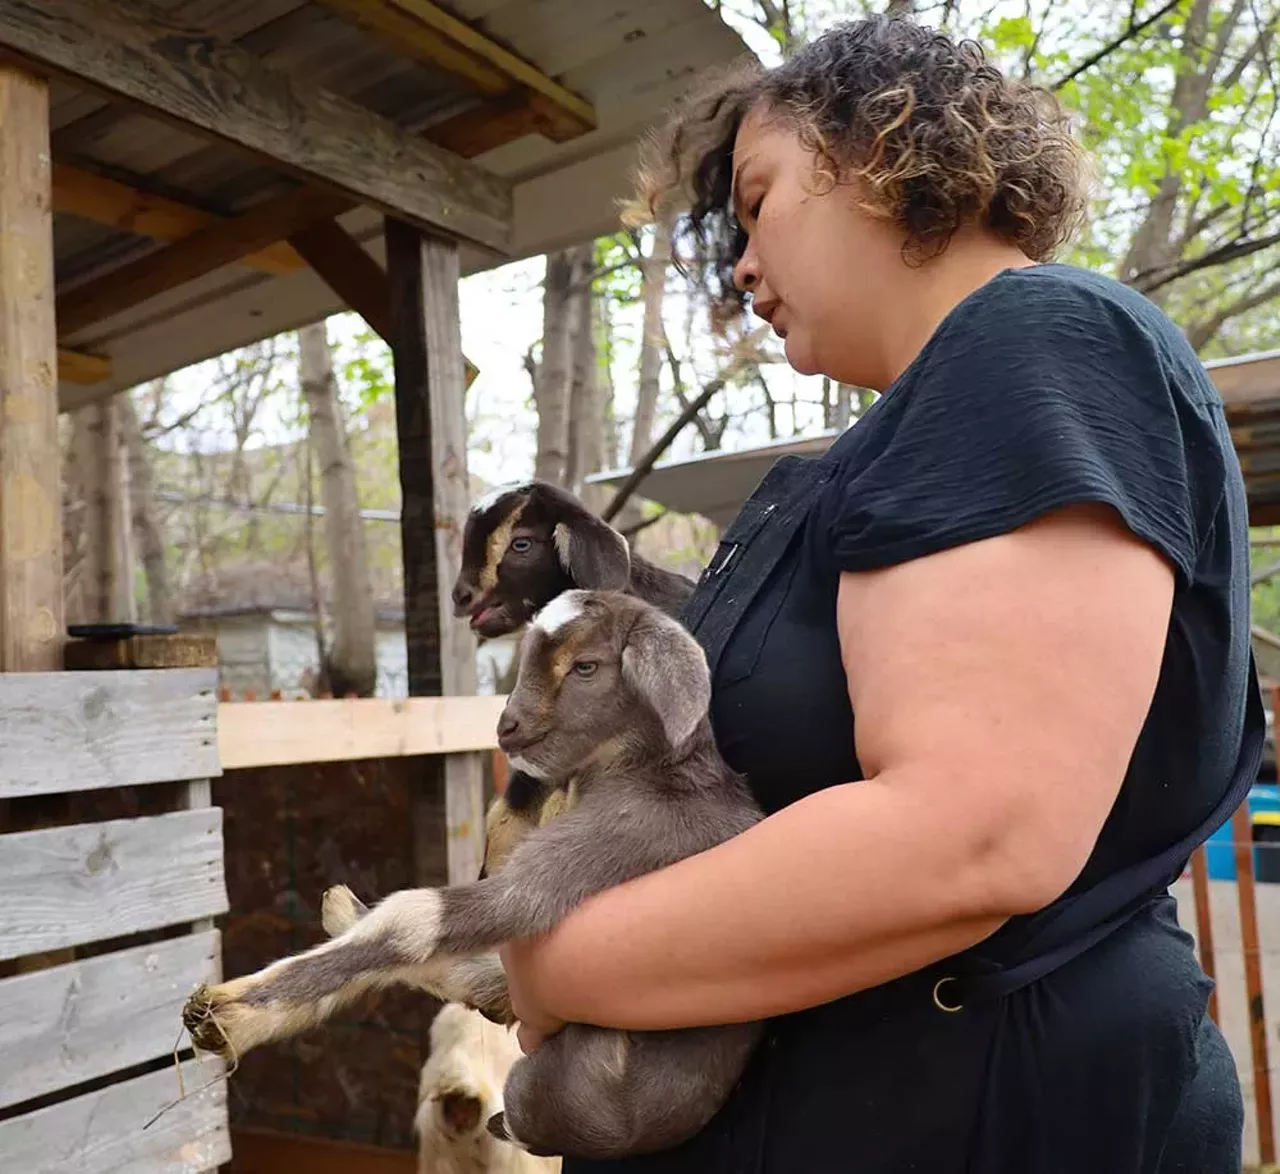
920	297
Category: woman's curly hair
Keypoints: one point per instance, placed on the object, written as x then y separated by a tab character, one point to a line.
936	137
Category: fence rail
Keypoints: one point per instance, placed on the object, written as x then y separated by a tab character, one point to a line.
107	922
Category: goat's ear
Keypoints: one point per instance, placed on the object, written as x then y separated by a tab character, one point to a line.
594	555
668	669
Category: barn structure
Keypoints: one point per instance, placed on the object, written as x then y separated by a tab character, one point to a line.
179	178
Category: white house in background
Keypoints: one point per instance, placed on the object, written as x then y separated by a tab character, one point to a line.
264	622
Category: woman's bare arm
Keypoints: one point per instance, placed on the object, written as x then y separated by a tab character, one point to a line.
999	689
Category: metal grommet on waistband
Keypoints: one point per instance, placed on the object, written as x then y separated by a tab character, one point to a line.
937	1001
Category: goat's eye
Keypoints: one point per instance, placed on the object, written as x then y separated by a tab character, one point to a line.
585	668
522	545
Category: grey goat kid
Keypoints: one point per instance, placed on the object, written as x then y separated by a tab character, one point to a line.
611	705
522	545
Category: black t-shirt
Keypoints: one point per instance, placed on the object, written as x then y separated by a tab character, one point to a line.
1048	386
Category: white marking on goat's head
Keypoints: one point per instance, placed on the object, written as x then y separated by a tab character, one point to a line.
492	496
563	609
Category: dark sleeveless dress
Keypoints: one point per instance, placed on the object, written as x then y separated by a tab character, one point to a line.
1082	1045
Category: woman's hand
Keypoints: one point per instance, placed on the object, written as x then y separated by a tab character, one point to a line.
521	960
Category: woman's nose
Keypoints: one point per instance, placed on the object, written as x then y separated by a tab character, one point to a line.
746	273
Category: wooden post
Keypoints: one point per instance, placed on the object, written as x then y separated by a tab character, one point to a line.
1242	835
1204	922
422	274
31	615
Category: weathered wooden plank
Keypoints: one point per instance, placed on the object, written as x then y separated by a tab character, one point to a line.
102	1132
277	733
31	616
106	201
132	51
81	731
69	886
433	476
68	1024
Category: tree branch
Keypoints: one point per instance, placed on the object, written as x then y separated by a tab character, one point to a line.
1111	46
1203	333
1232	251
645	465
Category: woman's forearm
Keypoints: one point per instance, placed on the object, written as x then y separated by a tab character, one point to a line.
848	888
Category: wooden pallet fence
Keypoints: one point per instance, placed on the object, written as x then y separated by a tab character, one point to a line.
107	924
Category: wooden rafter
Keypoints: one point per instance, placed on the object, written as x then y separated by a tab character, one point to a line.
342	264
194	256
132	52
78	367
116	205
426	32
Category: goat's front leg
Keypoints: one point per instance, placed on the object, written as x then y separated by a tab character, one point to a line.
405	940
479	983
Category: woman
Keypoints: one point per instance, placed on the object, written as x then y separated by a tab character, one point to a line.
986	664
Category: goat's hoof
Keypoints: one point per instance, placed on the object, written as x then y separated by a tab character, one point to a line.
497	1125
340	909
219	1022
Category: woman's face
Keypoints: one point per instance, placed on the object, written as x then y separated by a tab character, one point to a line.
817	266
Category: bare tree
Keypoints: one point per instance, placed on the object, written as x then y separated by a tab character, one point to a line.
352	659
553	376
146	526
652	339
587	401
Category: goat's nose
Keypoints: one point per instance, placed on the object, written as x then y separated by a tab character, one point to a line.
508	724
463	596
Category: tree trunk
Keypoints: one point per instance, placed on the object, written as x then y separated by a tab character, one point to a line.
552	387
146	530
103	589
353	661
652	341
587	403
1153	245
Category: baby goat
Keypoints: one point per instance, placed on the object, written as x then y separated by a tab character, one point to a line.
523	545
460	1087
611	706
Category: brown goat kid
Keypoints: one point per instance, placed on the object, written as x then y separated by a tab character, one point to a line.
524	544
611	706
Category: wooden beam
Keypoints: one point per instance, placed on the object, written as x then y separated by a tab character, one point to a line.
116	205
131	51
284	733
426	32
1246	379
194	256
423	276
341	262
31	615
78	367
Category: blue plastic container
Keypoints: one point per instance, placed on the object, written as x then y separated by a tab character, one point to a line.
1263	797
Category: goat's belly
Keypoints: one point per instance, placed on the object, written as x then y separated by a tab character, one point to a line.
599	1094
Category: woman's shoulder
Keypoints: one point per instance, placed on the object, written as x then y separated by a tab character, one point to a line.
1065	326
1047	387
